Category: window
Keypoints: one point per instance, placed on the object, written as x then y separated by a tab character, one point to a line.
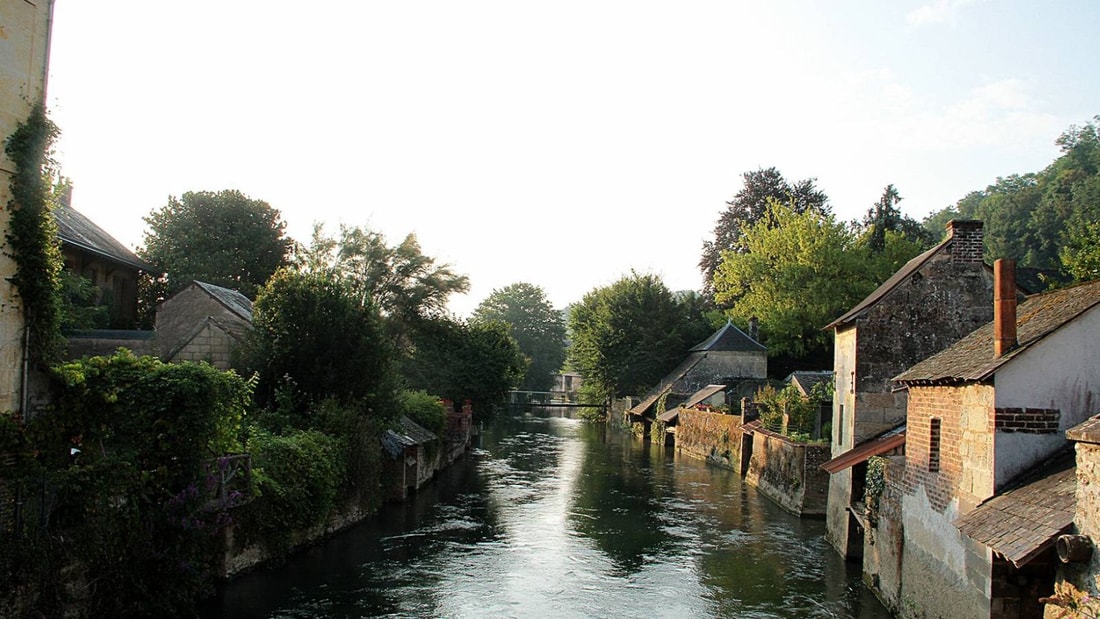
840	425
934	444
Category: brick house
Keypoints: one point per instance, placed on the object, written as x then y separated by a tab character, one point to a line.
930	303
202	322
985	490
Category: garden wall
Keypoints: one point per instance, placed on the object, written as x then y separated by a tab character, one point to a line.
789	473
715	437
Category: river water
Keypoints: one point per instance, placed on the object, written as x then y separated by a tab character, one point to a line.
553	517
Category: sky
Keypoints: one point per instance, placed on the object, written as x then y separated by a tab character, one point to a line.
564	144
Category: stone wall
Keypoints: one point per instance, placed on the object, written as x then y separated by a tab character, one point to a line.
715	437
211	344
884	543
789	473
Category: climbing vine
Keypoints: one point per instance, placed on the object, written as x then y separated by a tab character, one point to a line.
32	235
875	485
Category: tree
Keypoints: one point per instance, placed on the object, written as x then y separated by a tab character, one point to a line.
476	361
749	206
404	284
223	238
628	335
313	339
885	216
536	326
795	277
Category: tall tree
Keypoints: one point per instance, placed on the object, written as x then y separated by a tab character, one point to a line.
223	238
749	206
536	326
795	277
627	336
476	361
403	283
885	216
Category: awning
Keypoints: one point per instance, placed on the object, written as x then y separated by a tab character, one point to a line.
703	394
1026	520
669	415
866	450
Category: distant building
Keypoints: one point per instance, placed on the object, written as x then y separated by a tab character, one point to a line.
203	322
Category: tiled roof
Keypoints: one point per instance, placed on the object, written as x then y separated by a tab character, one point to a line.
76	230
1021	522
729	338
898	277
416	432
971	358
866	450
231	299
407	434
702	394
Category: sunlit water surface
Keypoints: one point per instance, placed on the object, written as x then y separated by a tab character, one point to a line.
553	517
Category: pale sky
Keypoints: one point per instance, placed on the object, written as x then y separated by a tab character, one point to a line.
559	143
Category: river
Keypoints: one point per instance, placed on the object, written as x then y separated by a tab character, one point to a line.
553	517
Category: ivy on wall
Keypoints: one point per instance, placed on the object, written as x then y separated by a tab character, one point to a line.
32	235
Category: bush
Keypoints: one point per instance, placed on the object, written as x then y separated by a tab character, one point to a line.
425	409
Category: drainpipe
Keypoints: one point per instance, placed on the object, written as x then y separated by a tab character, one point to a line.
1004	306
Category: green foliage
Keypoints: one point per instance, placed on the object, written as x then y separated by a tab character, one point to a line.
32	235
875	486
314	338
298	478
405	285
750	206
536	326
796	275
1044	219
884	217
79	304
479	362
223	238
425	409
124	477
800	410
628	335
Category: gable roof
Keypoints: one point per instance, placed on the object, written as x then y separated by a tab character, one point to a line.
806	380
729	338
1023	521
971	358
898	277
231	299
76	230
407	434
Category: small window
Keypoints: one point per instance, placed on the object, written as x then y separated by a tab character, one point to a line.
840	425
934	444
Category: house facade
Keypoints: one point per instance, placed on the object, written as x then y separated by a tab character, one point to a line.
24	64
927	305
985	489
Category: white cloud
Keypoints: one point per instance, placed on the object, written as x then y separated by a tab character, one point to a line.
939	12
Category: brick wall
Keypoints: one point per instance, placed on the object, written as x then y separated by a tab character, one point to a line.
1028	420
965	461
966	241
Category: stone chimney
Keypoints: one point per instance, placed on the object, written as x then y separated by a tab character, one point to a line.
966	240
1004	306
754	329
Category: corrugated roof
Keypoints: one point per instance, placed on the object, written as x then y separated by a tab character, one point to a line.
866	450
1021	522
729	338
971	358
231	299
76	230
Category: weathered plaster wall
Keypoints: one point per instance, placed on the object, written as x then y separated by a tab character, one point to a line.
721	366
1061	372
837	518
715	437
789	473
211	344
24	57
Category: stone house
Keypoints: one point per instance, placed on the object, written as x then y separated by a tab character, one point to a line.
729	357
92	253
1079	571
930	303
985	491
413	457
202	322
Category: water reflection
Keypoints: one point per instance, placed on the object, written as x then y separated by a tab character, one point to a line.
553	517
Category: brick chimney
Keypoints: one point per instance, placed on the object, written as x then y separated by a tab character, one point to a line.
966	240
1004	306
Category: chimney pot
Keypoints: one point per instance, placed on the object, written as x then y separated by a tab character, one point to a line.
1004	306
